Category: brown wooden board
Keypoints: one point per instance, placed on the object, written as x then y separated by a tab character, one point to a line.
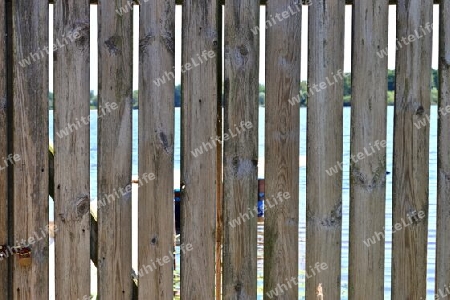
30	21
156	149
72	149
324	150
240	149
114	151
411	145
368	130
282	142
200	94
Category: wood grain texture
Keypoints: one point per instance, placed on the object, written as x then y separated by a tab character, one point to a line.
411	144
30	141
200	94
219	155
72	152
443	187
114	151
282	135
368	128
4	230
324	138
262	2
156	147
240	172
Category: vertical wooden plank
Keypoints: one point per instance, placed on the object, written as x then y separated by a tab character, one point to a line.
411	144
4	230
324	138
443	190
368	130
72	151
219	175
282	138
156	147
114	150
200	91
30	141
240	152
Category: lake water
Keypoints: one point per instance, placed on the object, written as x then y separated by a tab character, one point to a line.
302	187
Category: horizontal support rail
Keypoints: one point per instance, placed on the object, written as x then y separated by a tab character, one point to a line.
262	2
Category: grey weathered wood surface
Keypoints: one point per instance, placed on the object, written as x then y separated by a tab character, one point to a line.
282	134
264	2
4	228
219	174
443	187
156	146
368	125
200	93
114	151
240	170
29	94
324	138
72	152
410	166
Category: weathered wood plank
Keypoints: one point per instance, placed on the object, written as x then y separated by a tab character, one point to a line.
114	151
72	152
4	228
324	138
30	141
156	147
282	134
411	144
262	2
368	175
240	175
443	189
201	91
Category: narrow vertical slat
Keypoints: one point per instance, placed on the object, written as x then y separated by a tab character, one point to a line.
240	152
325	142
156	148
282	138
411	144
443	190
30	141
72	169
114	150
219	175
4	230
200	91
368	130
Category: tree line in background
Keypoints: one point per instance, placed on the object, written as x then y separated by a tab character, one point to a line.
303	89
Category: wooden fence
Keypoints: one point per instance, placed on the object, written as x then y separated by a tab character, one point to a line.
221	185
